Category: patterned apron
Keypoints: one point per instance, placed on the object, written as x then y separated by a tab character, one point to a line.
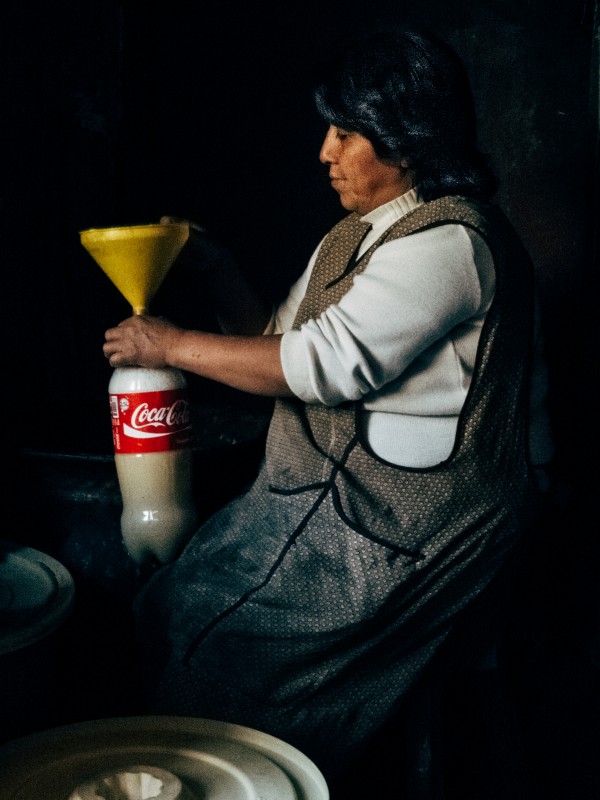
309	606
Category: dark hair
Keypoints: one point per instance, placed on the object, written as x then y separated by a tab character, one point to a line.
407	92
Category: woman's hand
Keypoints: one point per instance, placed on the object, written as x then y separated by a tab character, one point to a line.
239	310
141	341
193	226
249	363
199	251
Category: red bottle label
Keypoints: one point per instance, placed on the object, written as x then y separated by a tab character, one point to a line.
151	422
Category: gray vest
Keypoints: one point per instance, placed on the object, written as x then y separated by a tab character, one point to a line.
484	494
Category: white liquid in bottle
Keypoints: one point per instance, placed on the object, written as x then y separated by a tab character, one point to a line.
153	455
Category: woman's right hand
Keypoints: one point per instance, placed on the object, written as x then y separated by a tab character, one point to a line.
167	220
199	251
141	341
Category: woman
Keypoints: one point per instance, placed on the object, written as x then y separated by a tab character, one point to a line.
399	466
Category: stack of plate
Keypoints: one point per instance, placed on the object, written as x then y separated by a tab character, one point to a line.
157	758
36	596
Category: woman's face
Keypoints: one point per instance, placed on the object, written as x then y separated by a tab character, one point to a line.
362	180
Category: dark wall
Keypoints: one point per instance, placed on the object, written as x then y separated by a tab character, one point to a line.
118	112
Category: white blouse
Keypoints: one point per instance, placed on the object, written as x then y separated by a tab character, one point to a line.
403	340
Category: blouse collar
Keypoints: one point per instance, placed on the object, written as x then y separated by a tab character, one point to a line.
383	216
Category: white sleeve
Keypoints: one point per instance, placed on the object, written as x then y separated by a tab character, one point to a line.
414	290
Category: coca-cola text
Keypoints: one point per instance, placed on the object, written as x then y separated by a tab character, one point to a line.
148	422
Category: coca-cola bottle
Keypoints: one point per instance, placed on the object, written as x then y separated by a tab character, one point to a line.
152	437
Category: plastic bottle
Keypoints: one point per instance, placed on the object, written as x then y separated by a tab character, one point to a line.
152	437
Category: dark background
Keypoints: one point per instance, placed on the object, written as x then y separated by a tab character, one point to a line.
118	112
115	113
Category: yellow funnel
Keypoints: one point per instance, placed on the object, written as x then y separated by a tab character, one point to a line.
136	258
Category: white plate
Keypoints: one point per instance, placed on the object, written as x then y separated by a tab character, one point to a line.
36	594
213	760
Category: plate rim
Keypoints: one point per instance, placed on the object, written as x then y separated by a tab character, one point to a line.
55	614
307	779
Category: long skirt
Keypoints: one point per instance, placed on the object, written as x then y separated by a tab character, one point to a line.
280	617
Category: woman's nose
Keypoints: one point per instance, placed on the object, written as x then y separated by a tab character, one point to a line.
326	156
